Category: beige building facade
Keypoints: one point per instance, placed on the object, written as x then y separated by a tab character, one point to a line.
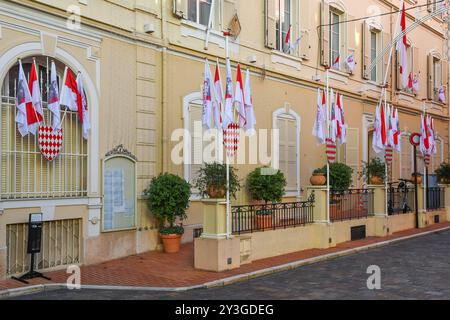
142	63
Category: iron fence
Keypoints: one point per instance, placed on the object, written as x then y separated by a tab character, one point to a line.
351	204
252	218
400	201
435	198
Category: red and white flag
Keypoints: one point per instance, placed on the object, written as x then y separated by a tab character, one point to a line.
424	146
335	64
379	140
287	41
239	98
34	108
321	118
228	113
394	130
86	127
433	138
249	110
441	95
53	98
410	82
218	98
402	50
415	83
207	97
23	98
335	125
70	96
350	63
341	118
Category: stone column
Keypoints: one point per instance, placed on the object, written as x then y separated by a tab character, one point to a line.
325	232
423	222
379	206
447	201
214	251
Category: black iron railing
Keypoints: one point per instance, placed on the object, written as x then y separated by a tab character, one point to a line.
400	200
435	198
252	218
351	204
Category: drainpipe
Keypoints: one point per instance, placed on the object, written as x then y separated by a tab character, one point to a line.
164	86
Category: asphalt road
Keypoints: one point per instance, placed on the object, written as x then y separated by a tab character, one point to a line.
414	269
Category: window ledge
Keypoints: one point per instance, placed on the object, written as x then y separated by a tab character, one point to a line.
339	75
286	59
405	96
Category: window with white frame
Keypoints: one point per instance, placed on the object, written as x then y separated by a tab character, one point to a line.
437	77
25	173
286	20
335	34
119	193
199	11
198	141
288	160
374	38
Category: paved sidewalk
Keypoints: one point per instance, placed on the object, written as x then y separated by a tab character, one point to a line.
156	269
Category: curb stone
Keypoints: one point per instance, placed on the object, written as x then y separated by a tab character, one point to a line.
10	293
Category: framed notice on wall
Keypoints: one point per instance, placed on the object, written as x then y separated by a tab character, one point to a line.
119	194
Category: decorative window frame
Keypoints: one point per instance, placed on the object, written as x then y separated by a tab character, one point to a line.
119	152
288	111
339	7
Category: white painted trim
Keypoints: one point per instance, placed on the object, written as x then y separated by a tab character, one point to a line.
407	134
275	159
9	58
37	203
187	100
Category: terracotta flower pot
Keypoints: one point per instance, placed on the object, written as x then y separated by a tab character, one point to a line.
263	221
376	180
419	179
216	192
318	179
171	242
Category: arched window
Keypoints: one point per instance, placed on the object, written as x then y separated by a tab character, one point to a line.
287	122
25	173
119	190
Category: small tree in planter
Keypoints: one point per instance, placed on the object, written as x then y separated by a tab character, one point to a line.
443	173
340	176
212	181
168	198
267	186
374	170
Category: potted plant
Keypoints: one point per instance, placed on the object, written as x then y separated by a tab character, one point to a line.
374	170
318	177
212	181
340	176
167	199
268	185
443	173
416	176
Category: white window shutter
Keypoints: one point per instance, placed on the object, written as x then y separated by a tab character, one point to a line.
228	12
385	40
305	29
366	50
271	23
324	33
430	76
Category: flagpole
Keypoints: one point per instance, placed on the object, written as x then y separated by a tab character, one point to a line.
384	90
60	94
226	34
328	136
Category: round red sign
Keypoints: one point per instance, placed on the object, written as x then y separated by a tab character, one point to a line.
415	139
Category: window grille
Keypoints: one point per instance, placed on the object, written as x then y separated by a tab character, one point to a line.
25	173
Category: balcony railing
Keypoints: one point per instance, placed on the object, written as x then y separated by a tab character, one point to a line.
252	218
435	198
351	204
400	200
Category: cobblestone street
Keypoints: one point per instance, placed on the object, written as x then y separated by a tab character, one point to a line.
414	269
